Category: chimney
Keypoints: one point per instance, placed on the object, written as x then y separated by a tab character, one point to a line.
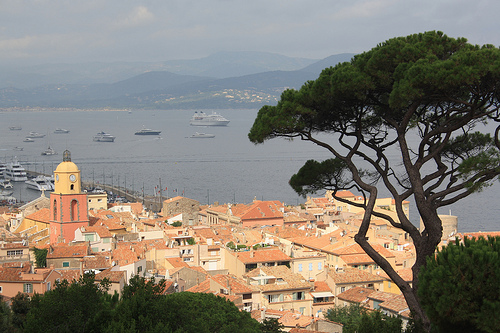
81	267
252	254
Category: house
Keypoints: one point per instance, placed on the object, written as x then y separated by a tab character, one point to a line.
20	277
226	284
323	298
98	237
356	295
258	213
309	266
189	209
13	251
185	278
280	289
239	263
342	279
64	256
117	280
35	227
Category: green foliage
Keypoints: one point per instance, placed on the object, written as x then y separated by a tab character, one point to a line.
459	287
314	176
231	245
81	306
177	224
40	257
20	306
191	241
181	312
271	325
357	319
5	317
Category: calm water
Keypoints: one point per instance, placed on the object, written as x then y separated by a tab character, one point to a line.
227	168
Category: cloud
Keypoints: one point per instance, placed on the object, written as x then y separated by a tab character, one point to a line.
139	16
364	9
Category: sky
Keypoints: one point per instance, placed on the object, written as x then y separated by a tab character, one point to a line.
77	31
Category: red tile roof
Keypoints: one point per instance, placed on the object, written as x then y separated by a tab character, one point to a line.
42	215
67	251
356	294
263	255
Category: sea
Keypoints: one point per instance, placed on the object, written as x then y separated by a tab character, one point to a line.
225	169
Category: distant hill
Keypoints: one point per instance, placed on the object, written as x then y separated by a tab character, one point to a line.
164	89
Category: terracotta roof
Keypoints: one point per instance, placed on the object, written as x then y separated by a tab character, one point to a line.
13	272
287	279
382	296
320	286
176	262
356	294
102	231
124	256
69	275
67	251
236	285
96	262
263	255
112	276
353	275
396	304
42	215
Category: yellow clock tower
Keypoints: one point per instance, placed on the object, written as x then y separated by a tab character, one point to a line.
68	205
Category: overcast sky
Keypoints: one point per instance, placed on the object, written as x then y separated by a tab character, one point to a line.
72	31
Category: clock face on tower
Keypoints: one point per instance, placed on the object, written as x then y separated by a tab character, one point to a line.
72	178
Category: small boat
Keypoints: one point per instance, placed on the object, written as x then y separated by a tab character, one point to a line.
61	131
203	119
104	137
49	151
39	183
5	193
18	148
35	135
202	135
28	140
15	128
147	131
6	184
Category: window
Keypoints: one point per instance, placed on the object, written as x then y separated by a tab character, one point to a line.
310	266
302	309
65	263
1	289
320	266
106	240
300	267
275	298
28	288
389	284
89	237
342	289
247	296
298	296
12	253
48	286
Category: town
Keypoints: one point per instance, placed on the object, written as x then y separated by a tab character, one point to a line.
292	263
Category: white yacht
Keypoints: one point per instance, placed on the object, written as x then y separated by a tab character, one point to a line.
104	137
6	184
202	135
61	131
15	171
203	119
49	151
35	135
39	183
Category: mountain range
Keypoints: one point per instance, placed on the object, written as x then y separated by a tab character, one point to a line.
222	80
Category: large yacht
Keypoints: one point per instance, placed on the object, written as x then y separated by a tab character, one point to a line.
203	119
39	183
147	131
15	171
104	137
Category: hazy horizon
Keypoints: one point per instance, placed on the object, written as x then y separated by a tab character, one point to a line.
41	31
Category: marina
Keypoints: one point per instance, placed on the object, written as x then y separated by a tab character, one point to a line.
227	168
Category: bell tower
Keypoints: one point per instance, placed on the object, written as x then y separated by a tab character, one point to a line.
68	205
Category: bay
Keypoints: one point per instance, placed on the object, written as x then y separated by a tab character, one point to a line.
225	169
